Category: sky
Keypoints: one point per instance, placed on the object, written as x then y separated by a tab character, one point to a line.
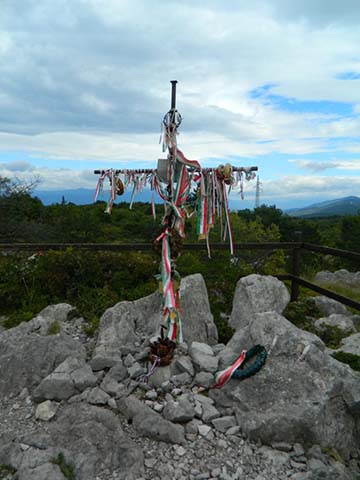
84	84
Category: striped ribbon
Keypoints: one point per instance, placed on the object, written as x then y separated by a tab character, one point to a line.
221	378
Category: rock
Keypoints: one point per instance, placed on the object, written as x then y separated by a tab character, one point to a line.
204	430
116	335
179	411
46	411
203	357
26	357
144	316
192	426
209	412
340	276
150	423
129	360
96	396
292	400
282	446
257	294
198	323
136	370
351	344
328	306
70	377
111	383
222	424
181	379
344	322
46	471
184	364
160	376
90	438
204	379
151	395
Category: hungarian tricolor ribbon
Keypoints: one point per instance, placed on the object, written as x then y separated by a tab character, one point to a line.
224	376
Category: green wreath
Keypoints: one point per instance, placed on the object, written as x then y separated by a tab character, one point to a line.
261	354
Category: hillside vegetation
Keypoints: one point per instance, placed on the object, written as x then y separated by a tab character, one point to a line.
93	281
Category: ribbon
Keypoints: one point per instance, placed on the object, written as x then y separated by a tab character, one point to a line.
221	378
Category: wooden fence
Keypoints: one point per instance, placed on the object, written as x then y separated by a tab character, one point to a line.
294	248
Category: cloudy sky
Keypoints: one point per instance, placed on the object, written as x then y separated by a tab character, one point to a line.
84	84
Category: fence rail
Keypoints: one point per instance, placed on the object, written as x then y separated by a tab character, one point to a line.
294	247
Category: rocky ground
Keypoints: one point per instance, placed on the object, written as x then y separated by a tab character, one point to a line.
78	408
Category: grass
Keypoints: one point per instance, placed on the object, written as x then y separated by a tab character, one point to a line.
350	359
6	470
54	328
66	469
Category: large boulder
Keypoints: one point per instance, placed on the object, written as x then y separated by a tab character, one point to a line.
27	357
343	322
328	306
122	325
257	294
89	438
342	276
302	394
351	344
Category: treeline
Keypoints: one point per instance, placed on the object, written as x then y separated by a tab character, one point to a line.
94	281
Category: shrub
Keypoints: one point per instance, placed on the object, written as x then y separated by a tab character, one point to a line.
349	359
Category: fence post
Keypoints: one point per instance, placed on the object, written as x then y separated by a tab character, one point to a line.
295	268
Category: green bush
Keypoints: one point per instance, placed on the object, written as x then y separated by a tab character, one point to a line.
349	359
302	312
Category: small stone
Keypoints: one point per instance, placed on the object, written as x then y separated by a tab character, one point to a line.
45	411
112	403
192	426
282	446
180	451
233	430
135	370
216	472
204	379
175	392
298	465
198	410
150	462
96	396
158	407
204	430
222	424
298	449
151	395
184	364
24	447
209	413
129	360
24	393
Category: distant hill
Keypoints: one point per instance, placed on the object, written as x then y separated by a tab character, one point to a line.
85	196
339	206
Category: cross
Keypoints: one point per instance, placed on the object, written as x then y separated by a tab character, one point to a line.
174	180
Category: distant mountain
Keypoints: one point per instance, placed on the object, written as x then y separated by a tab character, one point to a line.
85	196
339	206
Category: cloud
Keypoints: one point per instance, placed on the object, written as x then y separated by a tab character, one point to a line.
88	81
17	166
319	166
297	186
